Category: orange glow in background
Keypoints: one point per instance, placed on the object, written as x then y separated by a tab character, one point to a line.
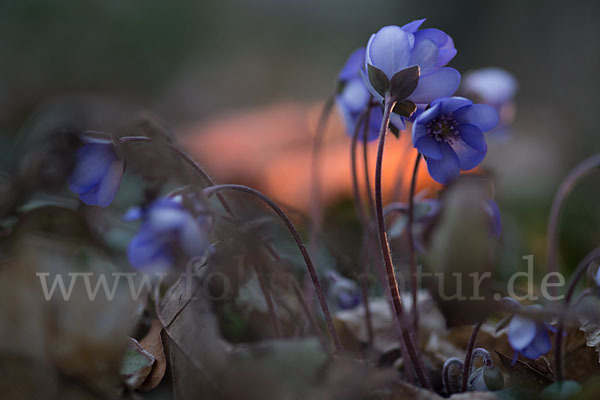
270	149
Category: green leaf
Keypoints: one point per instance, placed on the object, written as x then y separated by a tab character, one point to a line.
405	82
378	79
404	108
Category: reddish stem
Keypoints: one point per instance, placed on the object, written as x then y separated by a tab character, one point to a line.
309	265
411	245
385	249
576	174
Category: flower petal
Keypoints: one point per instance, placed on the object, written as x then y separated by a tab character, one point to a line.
164	219
445	55
92	162
148	250
109	186
419	126
389	50
494	85
540	345
437	36
355	95
445	169
441	83
429	147
192	239
521	332
90	197
397	121
451	104
472	136
414	25
353	65
468	157
483	116
133	214
425	55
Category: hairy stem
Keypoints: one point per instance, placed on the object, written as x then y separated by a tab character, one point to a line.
576	174
385	250
468	355
368	190
315	193
411	245
358	203
309	265
579	272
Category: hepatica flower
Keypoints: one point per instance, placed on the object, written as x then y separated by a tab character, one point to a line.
529	337
353	98
493	86
343	293
97	173
398	51
168	230
449	134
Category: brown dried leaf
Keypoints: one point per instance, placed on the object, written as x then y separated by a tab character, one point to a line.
152	343
136	366
533	374
197	352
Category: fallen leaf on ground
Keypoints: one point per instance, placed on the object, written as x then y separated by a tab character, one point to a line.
152	343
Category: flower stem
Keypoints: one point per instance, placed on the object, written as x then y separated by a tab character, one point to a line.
469	354
576	174
579	272
368	190
315	197
199	170
385	250
309	265
208	180
363	218
411	245
358	203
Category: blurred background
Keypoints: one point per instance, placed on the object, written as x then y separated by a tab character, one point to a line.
241	84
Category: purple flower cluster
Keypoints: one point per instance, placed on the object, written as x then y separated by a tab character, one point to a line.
167	229
447	131
529	337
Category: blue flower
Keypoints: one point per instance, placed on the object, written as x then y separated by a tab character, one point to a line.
393	49
167	229
449	135
493	86
528	337
97	173
353	98
343	293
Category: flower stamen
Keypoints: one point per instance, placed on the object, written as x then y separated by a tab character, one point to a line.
444	128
